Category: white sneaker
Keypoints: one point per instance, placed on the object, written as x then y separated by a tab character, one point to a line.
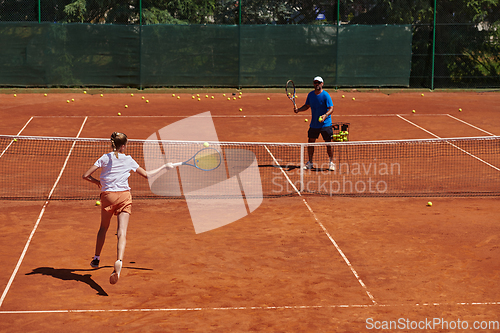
331	167
113	279
308	165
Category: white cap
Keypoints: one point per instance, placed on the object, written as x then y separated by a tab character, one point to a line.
318	78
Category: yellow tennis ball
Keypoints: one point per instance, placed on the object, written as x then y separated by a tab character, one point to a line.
15	95
67	101
429	204
15	140
102	95
178	97
224	95
228	98
241	93
131	95
45	95
268	98
353	99
126	106
173	95
241	109
234	98
97	203
142	97
199	99
422	95
192	97
206	96
197	95
413	111
206	144
305	120
343	96
147	101
239	96
85	91
320	119
119	113
460	110
213	97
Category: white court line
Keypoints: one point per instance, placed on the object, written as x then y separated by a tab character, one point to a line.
253	308
480	129
12	141
462	150
248	116
339	250
23	254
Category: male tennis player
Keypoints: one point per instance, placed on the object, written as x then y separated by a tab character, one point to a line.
321	105
115	196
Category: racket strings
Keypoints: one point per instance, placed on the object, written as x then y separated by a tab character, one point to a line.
207	160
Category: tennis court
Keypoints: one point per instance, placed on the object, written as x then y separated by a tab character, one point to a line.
298	263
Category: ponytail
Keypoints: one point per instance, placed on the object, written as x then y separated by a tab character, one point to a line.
117	141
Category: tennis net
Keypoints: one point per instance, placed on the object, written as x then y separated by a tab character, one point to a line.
40	168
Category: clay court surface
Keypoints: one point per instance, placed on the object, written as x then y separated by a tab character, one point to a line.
296	264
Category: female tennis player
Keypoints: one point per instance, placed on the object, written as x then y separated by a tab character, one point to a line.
115	195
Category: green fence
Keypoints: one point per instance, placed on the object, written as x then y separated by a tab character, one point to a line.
79	54
453	43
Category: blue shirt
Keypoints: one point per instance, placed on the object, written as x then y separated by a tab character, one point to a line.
319	106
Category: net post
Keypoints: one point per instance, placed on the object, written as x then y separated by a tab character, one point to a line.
302	148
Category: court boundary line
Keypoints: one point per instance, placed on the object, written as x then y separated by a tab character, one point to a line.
243	308
462	121
19	133
37	223
451	144
248	116
337	247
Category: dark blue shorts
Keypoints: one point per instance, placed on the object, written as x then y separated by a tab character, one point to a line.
326	133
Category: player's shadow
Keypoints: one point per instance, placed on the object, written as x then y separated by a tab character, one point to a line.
69	275
284	167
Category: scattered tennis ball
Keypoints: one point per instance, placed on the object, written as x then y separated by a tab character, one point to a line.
147	101
173	95
45	95
241	93
131	95
429	204
102	95
85	91
72	99
305	120
199	99
15	95
224	95
234	98
192	97
239	96
460	110
268	98
67	101
15	140
142	97
413	111
119	113
213	97
343	96
206	144
353	99
228	98
97	203
126	106
206	96
178	97
197	95
422	95
241	109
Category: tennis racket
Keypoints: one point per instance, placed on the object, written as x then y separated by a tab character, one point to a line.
206	159
290	92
